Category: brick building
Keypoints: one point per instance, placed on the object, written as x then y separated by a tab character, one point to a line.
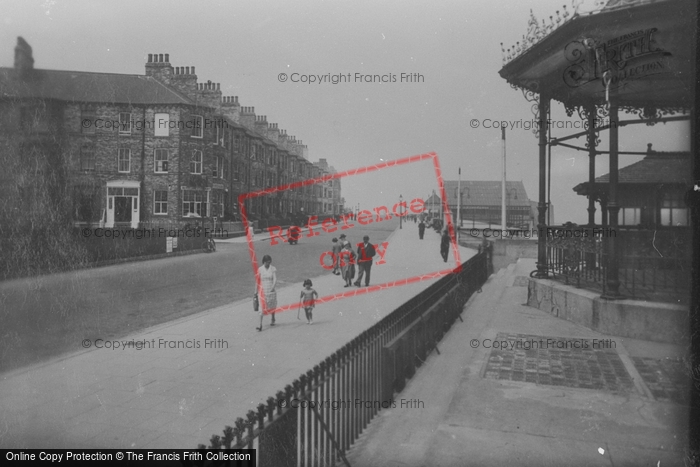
158	148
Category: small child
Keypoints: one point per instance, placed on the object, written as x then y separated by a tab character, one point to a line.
307	297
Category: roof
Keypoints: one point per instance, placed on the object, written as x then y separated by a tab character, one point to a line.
81	86
566	57
655	169
486	193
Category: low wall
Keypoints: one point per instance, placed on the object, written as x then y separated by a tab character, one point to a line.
117	244
515	248
653	321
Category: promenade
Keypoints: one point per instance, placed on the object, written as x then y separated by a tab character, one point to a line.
557	394
194	376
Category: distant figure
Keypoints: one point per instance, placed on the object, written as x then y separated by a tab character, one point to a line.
365	253
445	245
308	300
421	229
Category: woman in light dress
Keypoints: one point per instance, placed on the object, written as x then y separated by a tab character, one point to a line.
268	280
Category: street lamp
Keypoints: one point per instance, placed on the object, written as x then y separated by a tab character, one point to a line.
401	211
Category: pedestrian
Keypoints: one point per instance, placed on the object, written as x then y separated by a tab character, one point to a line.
268	281
346	260
365	253
421	229
445	245
343	240
337	247
308	300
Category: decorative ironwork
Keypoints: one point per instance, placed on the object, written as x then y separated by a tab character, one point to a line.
535	33
652	264
651	115
583	114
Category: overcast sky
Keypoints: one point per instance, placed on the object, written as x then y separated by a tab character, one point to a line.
245	45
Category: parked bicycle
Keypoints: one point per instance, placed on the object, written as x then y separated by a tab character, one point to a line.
208	245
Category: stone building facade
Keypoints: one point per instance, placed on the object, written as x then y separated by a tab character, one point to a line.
159	148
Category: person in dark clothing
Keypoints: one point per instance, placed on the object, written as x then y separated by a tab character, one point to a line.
421	230
445	245
365	253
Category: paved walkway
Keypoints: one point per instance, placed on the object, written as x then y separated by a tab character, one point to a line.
583	406
219	369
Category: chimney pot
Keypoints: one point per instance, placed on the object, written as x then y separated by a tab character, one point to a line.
160	57
187	70
192	70
218	86
167	58
150	58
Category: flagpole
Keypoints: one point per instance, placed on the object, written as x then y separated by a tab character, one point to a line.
503	181
459	199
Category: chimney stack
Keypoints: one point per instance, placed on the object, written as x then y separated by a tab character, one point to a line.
158	67
231	109
184	80
24	62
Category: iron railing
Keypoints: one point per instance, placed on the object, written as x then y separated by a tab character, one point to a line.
316	419
652	264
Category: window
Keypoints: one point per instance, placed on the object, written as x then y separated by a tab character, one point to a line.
218	171
87	157
197	126
236	143
161	161
218	204
253	150
162	125
124	160
630	216
192	201
87	121
673	210
236	171
160	202
221	135
196	162
124	123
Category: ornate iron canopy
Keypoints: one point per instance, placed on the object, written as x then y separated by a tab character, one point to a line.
638	51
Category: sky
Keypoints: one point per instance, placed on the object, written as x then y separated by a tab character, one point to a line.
455	47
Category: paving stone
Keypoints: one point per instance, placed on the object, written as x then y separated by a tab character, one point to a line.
666	378
558	361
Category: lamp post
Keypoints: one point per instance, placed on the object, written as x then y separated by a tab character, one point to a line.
515	196
401	211
461	195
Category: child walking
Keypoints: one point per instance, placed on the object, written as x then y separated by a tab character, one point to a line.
307	297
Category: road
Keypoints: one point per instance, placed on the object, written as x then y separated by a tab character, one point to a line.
46	316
